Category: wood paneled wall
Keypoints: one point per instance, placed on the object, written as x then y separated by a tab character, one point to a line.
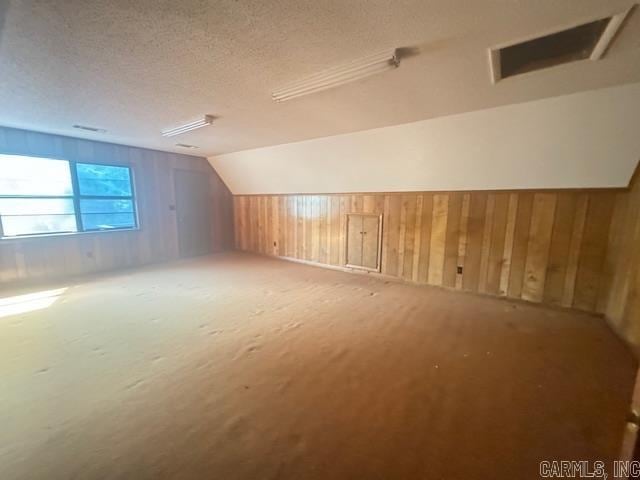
546	247
623	265
40	258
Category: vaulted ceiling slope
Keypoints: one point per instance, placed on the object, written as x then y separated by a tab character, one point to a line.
137	67
584	140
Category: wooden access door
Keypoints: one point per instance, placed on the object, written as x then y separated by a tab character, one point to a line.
193	213
364	241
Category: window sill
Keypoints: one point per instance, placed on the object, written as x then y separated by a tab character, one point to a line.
68	234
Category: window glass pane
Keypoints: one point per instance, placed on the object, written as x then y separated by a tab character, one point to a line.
34	176
103	180
107	221
102	214
28	216
34	224
94	205
37	206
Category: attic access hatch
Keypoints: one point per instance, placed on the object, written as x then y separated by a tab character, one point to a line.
588	40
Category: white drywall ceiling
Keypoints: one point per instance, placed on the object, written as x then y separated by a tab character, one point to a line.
589	139
137	67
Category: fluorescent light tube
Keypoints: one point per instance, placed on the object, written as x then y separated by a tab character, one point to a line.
335	76
203	122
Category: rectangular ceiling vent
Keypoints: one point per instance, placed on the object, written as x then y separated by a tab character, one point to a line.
185	145
89	129
589	40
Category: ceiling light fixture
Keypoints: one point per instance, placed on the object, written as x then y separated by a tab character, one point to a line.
336	76
185	145
203	122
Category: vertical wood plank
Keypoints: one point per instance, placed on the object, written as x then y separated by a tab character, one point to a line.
343	229
357	204
403	231
425	237
438	239
315	228
369	204
496	247
322	229
282	226
577	231
473	250
268	225
300	227
559	250
592	250
308	227
392	246
520	245
538	248
332	254
409	204
237	228
508	244
452	240
462	240
246	220
292	222
486	243
417	239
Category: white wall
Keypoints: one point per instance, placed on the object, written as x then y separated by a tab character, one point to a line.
589	139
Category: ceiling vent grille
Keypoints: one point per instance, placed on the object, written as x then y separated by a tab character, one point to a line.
89	129
589	40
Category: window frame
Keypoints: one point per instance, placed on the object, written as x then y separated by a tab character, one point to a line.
75	197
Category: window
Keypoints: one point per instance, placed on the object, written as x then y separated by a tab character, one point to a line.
105	196
43	196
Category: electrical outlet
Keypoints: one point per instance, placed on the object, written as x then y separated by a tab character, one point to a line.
459	270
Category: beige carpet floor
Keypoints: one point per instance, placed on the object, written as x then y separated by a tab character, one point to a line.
242	367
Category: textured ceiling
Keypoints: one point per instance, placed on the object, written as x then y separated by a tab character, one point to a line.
137	67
